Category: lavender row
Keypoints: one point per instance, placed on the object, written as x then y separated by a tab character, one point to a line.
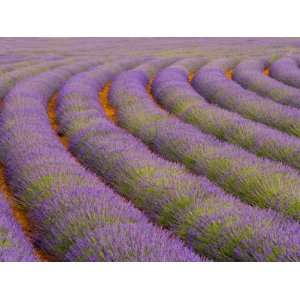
211	83
13	244
286	70
75	215
9	79
212	222
173	91
249	74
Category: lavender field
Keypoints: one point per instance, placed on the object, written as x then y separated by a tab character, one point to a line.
150	149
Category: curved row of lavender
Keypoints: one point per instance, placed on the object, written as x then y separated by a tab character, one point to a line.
173	91
75	215
9	79
255	180
14	246
249	74
286	70
213	223
211	83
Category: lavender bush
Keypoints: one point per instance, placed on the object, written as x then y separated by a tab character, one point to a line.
249	74
286	70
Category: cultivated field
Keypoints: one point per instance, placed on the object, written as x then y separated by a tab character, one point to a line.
158	149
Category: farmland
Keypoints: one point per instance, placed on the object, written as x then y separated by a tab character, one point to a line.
150	149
